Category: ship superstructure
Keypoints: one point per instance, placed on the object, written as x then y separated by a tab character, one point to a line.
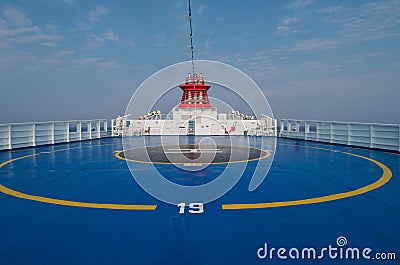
194	116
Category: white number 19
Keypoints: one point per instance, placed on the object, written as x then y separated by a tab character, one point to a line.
194	207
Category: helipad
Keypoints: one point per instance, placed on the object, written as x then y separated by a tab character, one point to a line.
78	204
193	154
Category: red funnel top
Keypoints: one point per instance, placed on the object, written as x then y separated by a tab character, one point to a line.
195	93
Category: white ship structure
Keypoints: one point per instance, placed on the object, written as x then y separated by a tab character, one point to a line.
194	116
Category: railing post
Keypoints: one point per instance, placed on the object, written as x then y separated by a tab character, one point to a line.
348	134
90	129
98	129
105	126
34	134
79	129
52	133
306	129
370	136
9	137
68	132
282	128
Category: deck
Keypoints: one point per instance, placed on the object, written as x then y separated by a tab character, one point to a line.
77	203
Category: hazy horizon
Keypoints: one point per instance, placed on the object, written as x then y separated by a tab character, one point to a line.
313	60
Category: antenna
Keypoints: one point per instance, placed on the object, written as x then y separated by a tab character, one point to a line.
191	36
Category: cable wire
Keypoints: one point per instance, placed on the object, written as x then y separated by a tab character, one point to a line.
191	36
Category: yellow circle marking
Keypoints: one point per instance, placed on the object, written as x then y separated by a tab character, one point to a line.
386	176
119	156
25	196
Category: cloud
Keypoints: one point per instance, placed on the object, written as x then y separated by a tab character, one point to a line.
290	20
178	4
51	62
3	24
312	65
83	26
300	4
286	26
283	28
16	29
353	24
64	53
16	16
15	58
49	44
200	9
366	22
207	45
22	35
99	11
160	39
220	19
94	62
131	42
331	10
52	27
69	2
316	44
94	41
373	20
111	36
258	64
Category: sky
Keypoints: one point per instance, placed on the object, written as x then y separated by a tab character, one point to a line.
313	60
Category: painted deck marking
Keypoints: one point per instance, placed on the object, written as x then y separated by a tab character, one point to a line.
386	176
118	154
25	196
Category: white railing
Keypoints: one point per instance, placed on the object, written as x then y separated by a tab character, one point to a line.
370	135
18	135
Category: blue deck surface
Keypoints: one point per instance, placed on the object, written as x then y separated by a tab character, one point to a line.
35	232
